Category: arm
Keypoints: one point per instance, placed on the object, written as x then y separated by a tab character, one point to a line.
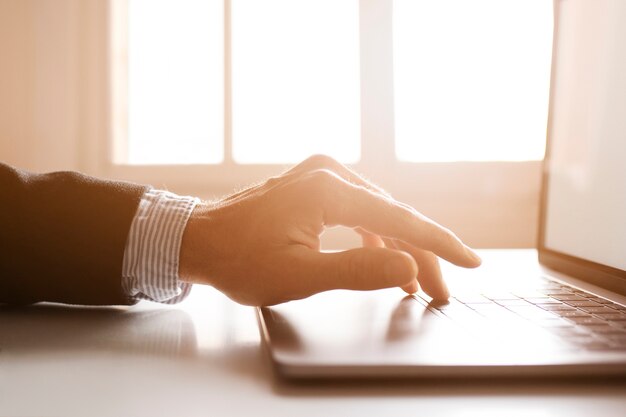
62	237
70	238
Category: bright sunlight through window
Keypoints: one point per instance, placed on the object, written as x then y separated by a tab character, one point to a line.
471	79
175	81
295	80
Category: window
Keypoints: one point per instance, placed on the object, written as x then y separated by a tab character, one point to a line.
295	80
175	96
470	80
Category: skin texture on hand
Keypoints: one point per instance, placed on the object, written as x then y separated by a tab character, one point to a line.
261	246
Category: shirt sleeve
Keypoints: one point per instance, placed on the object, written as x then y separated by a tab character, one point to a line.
151	256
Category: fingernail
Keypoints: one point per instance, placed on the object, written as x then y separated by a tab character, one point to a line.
473	255
412	287
446	292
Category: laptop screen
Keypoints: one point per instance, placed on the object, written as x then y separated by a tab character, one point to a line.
585	197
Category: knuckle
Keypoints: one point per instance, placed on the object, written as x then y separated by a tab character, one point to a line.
445	237
451	239
322	179
257	300
405	215
321	161
272	181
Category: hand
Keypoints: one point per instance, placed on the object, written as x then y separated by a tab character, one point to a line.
261	246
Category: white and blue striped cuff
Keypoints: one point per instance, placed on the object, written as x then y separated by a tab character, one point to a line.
150	267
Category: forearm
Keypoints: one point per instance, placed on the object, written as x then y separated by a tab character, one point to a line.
63	237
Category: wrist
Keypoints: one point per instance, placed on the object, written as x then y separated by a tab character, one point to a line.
195	263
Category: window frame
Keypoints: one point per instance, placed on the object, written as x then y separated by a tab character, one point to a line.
482	201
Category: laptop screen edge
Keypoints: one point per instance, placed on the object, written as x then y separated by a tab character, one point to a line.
607	277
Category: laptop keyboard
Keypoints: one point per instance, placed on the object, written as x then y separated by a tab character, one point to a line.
580	319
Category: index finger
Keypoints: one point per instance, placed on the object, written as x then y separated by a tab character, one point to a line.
353	206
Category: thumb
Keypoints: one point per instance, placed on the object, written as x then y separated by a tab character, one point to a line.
367	268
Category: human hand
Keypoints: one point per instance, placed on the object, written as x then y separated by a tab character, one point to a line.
261	246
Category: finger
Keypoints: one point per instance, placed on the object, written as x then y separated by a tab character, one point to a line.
349	205
370	240
413	286
374	241
356	269
429	277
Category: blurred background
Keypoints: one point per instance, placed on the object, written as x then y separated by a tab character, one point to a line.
442	102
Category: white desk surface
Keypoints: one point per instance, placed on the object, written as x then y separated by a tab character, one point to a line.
204	357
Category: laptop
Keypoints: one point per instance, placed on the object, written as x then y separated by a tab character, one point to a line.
562	314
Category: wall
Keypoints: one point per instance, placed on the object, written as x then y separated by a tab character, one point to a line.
50	110
38	94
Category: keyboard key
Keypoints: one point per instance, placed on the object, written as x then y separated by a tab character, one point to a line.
600	300
552	292
585	303
614	317
596	328
597	345
557	307
542	301
575	313
584	293
598	310
607	330
586	320
472	299
569	332
569	298
581	340
617	323
555	322
531	312
517	302
488	308
529	294
502	295
493	311
462	315
449	305
617	338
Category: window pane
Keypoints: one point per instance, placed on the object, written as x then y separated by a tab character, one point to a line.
175	81
471	79
295	82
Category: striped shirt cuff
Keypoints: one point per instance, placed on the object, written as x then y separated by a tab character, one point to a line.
150	267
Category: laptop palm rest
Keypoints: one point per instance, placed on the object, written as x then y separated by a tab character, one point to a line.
384	333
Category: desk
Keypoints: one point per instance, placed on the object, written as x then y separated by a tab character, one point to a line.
204	357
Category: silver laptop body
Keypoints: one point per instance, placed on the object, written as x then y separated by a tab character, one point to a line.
562	316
